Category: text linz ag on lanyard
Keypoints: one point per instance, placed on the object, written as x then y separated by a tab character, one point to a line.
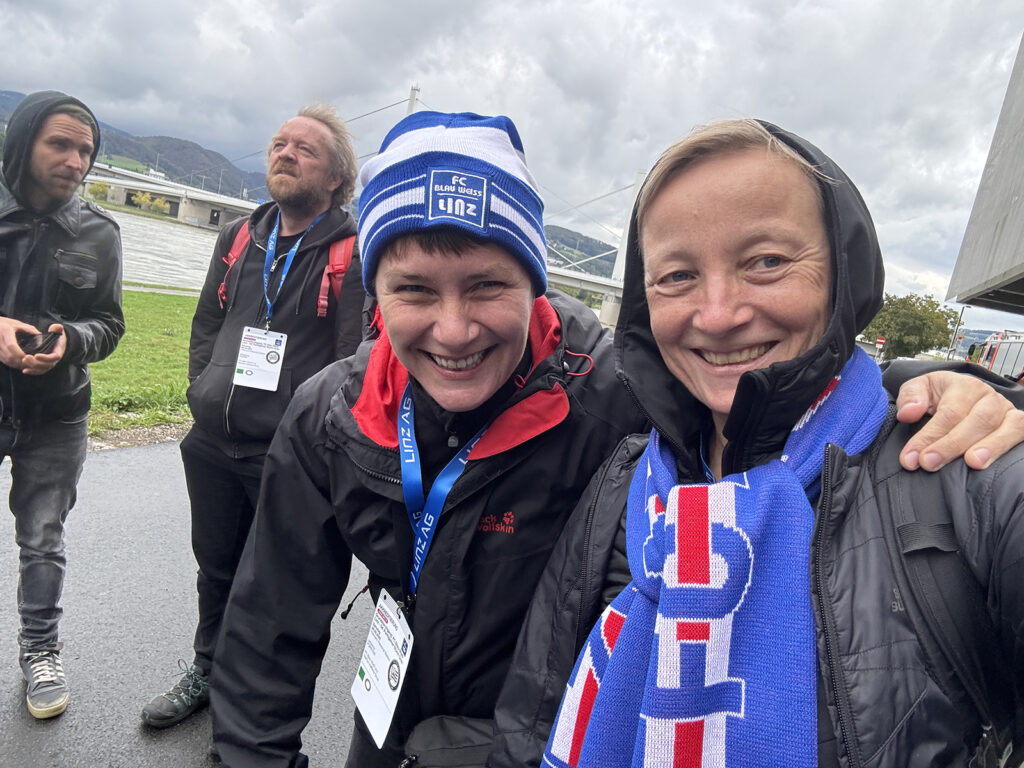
424	514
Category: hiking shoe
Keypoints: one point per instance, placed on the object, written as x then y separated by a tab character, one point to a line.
46	691
189	695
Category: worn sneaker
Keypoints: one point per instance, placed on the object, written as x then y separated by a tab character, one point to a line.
46	691
189	695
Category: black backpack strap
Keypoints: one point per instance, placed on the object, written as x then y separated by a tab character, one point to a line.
943	599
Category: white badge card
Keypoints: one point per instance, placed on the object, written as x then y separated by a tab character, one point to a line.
260	357
382	667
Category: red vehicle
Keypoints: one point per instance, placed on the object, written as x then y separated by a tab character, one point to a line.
1003	353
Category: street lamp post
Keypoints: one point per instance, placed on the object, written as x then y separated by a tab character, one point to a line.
953	339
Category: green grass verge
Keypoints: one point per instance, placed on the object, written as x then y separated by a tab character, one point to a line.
120	161
129	284
143	383
135	210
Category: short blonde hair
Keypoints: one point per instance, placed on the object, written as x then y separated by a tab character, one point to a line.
719	138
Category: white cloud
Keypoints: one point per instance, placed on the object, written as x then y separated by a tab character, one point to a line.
903	95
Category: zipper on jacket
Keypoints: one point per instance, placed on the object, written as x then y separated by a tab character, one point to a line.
11	412
677	448
585	561
227	409
9	406
38	225
375	474
828	626
231	303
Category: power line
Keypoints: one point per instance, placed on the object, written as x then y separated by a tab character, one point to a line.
593	200
603	226
261	151
375	111
403	101
596	256
219	165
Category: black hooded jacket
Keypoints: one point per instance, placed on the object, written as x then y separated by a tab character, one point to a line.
878	705
240	421
26	120
62	266
769	401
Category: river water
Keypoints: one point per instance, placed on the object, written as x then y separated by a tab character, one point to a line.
164	252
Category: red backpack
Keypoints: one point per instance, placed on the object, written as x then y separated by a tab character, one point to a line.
340	256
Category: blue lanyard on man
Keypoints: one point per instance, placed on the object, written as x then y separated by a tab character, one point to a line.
268	263
424	515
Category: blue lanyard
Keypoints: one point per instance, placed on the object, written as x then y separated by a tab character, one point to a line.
269	261
424	516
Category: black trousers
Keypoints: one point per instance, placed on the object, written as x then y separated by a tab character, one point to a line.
223	494
363	752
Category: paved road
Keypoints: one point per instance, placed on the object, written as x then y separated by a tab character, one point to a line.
129	613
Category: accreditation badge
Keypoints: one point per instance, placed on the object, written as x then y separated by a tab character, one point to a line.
260	359
382	667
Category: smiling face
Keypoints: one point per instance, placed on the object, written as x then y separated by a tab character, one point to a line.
457	322
299	173
61	154
736	269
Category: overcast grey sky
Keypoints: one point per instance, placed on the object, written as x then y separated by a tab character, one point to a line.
903	94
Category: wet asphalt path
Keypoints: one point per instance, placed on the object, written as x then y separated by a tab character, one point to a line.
129	613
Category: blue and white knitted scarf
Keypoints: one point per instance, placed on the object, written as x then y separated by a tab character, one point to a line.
707	658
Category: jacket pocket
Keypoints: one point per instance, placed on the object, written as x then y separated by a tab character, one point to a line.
208	394
77	276
77	270
238	413
253	414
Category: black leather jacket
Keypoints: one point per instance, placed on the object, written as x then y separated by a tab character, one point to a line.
61	267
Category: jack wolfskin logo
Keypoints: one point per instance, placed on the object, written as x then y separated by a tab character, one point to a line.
491	524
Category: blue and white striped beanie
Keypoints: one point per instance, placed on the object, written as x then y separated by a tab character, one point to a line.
439	169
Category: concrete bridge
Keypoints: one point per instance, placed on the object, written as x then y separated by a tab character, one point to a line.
207	209
191	205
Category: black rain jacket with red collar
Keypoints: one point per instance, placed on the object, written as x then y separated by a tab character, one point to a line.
332	490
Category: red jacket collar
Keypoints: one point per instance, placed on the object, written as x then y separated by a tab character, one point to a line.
376	409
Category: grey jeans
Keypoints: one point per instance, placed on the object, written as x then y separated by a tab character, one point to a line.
46	462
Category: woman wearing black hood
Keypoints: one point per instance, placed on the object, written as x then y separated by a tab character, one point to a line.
760	625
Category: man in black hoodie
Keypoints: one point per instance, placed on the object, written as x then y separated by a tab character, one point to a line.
275	304
60	309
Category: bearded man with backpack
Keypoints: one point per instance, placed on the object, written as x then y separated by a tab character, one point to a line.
282	299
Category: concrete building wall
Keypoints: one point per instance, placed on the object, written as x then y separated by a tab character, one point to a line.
989	269
194	211
117	194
